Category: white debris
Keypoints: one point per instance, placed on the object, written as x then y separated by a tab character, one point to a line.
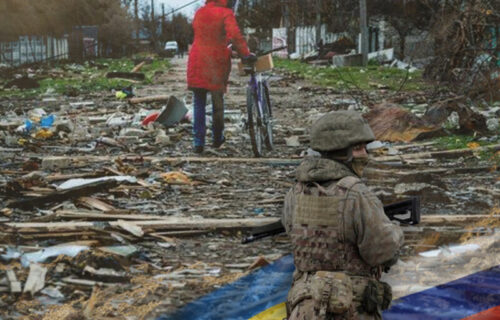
73	183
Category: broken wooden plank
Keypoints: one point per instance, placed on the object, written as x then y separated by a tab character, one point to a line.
130	227
14	284
173	223
87	283
414	145
178	234
138	67
446	154
75	214
60	177
93	203
124	251
106	274
36	279
270	161
150	99
454	219
127	75
57	235
59	196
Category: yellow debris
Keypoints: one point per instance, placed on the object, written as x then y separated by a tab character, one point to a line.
43	134
473	145
176	177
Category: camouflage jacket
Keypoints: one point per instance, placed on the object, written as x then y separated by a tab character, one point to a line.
366	228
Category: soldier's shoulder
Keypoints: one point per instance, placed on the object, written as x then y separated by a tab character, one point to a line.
353	185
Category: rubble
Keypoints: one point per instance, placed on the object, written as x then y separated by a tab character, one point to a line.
128	222
390	122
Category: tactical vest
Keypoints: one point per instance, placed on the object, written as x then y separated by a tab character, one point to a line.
318	236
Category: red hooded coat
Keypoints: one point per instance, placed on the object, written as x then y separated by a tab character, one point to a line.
209	61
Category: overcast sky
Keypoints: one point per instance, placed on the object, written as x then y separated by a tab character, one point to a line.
173	4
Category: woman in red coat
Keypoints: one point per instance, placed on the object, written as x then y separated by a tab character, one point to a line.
209	65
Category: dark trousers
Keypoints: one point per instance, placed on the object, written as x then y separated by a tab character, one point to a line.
199	127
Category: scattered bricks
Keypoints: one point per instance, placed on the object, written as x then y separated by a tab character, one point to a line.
54	163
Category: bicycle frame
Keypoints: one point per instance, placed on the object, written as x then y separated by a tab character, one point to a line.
256	84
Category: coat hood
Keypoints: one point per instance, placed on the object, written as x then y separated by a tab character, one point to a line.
321	170
220	3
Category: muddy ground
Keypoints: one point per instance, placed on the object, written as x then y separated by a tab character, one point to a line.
171	268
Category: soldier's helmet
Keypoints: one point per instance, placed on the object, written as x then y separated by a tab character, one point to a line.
340	130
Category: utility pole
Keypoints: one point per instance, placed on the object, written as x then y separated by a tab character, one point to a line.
364	31
163	22
137	27
286	21
318	21
174	36
153	24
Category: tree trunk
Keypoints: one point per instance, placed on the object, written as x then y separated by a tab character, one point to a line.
402	46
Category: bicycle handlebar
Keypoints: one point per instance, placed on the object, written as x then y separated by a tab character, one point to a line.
272	50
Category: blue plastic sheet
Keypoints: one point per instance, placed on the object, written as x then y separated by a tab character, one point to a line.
244	298
47	122
475	296
451	301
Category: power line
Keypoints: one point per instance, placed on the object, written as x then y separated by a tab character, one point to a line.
182	7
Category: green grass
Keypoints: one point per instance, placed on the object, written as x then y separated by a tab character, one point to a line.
457	142
462	142
372	77
90	78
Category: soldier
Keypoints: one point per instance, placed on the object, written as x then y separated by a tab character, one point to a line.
342	240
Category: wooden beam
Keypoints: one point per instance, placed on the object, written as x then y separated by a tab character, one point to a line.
59	196
454	219
150	99
127	75
96	215
165	224
455	153
270	161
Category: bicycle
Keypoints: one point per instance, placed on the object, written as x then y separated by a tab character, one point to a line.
259	108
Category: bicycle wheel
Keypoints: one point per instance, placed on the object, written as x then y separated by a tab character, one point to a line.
267	117
254	122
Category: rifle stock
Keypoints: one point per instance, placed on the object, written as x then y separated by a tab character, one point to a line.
406	212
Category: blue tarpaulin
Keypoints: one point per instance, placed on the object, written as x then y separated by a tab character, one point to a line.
268	287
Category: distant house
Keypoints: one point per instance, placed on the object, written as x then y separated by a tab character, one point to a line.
83	42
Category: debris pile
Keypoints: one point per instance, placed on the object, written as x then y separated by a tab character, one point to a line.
108	215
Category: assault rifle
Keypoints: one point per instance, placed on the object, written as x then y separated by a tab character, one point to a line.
405	212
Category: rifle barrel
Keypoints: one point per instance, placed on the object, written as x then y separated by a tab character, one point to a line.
411	205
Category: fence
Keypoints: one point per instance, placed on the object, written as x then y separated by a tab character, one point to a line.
305	38
30	49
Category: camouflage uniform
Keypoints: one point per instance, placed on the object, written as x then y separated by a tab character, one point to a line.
337	225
